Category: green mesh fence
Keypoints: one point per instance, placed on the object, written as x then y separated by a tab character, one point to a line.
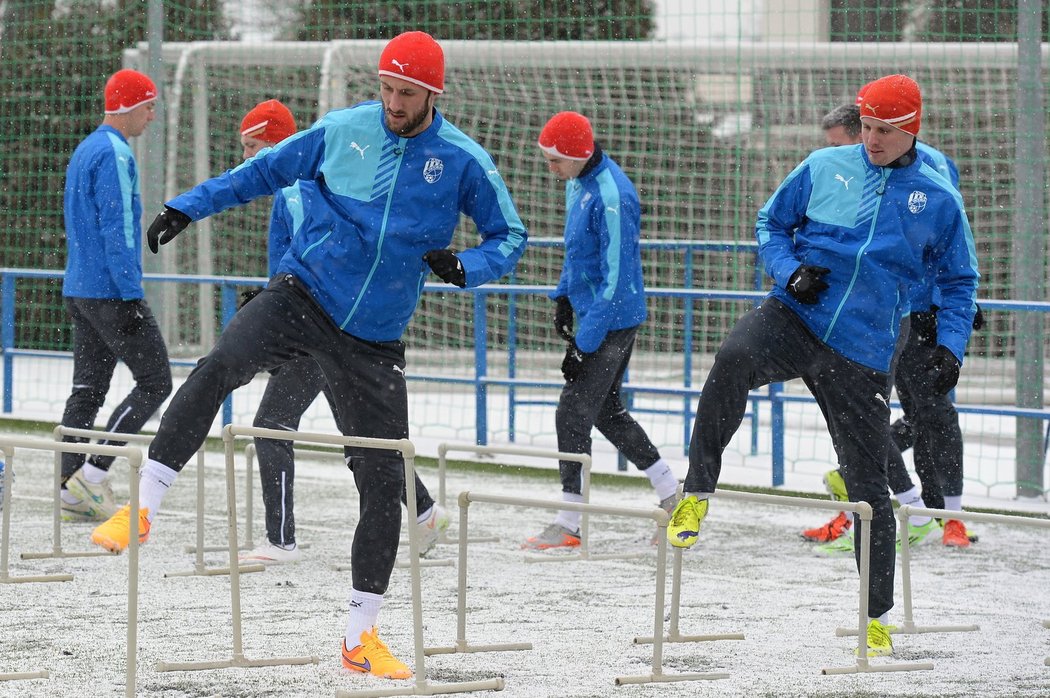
707	109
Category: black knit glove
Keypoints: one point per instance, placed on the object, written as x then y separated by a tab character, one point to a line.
924	327
943	370
573	364
446	265
165	227
807	282
563	318
134	318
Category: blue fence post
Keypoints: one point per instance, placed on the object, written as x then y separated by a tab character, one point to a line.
687	351
480	371
512	358
776	423
7	338
228	306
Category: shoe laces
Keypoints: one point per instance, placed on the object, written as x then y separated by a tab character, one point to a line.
678	517
377	649
879	634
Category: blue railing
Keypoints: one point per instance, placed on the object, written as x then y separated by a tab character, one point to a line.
481	381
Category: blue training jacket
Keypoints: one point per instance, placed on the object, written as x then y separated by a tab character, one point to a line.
924	296
286	217
103	215
881	231
602	273
379	203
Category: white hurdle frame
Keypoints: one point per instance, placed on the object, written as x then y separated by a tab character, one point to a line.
199	566
584	551
408	451
134	457
5	534
864	511
908	626
656	514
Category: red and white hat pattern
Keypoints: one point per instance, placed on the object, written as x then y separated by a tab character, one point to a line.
894	100
127	89
417	58
568	135
269	121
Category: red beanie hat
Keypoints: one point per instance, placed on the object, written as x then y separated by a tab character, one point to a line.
568	135
269	121
417	58
893	100
127	89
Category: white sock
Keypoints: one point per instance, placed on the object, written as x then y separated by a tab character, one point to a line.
953	503
364	612
914	498
570	519
93	474
884	618
422	518
154	480
663	480
700	496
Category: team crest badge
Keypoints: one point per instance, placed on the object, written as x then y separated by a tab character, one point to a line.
916	202
432	170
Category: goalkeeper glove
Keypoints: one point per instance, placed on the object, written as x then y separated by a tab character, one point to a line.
563	318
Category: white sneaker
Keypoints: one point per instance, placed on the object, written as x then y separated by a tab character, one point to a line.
266	553
430	530
97	502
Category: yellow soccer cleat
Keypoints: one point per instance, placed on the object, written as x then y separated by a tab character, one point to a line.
835	485
372	656
879	642
684	526
115	533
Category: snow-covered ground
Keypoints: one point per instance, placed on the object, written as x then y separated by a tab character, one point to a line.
751	573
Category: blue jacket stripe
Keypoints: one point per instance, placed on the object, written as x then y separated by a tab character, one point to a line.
126	193
611	205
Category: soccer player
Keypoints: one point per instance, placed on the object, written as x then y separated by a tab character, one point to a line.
601	284
294	386
930	421
103	292
390	181
845	237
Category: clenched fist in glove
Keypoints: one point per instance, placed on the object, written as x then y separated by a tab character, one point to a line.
807	282
572	364
563	318
165	227
943	370
446	265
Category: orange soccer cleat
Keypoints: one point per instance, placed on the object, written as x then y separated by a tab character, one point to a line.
372	656
830	531
115	533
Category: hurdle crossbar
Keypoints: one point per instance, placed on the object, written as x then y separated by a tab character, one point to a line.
134	457
584	550
200	568
908	626
657	515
